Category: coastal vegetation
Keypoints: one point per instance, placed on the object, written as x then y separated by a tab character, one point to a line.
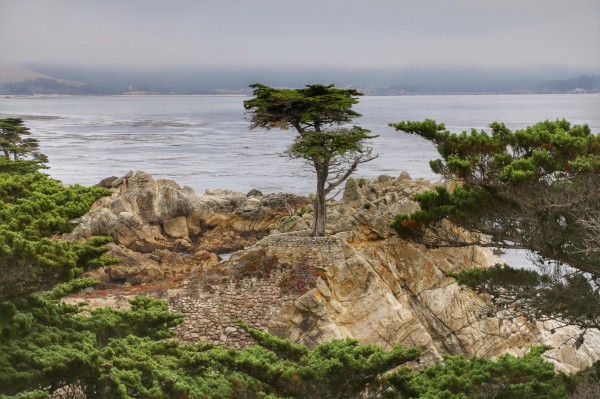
507	377
49	348
316	112
34	210
17	146
535	188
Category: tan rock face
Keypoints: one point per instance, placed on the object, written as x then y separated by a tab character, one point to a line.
381	290
369	293
146	217
362	281
176	227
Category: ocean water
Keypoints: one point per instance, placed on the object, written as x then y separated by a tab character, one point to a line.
204	141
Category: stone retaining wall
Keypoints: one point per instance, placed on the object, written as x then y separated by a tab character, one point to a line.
212	309
299	247
211	312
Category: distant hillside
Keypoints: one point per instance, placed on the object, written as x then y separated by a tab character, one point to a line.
582	84
21	80
179	80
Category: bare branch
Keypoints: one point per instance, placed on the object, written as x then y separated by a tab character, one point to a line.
363	157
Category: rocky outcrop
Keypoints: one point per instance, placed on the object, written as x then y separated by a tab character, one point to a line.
360	281
366	283
160	229
382	290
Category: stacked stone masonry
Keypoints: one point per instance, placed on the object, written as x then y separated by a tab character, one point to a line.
211	312
322	252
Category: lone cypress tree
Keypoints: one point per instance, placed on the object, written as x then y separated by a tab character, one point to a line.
317	113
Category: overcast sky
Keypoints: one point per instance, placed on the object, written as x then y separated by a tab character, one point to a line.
303	33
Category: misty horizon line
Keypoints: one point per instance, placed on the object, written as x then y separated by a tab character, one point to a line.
382	80
545	69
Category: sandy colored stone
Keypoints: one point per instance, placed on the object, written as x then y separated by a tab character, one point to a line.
367	283
144	215
176	227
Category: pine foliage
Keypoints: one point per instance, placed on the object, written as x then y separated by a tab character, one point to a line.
536	189
49	348
33	209
15	143
337	369
460	377
318	113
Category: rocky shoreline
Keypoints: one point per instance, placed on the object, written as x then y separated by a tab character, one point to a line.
361	281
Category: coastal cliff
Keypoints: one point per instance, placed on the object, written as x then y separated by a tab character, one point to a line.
361	281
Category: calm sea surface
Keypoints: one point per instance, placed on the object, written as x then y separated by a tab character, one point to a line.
204	141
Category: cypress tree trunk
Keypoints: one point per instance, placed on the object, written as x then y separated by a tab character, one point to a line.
319	204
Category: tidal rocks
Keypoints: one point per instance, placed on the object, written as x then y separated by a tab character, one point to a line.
107	182
176	227
254	193
144	215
